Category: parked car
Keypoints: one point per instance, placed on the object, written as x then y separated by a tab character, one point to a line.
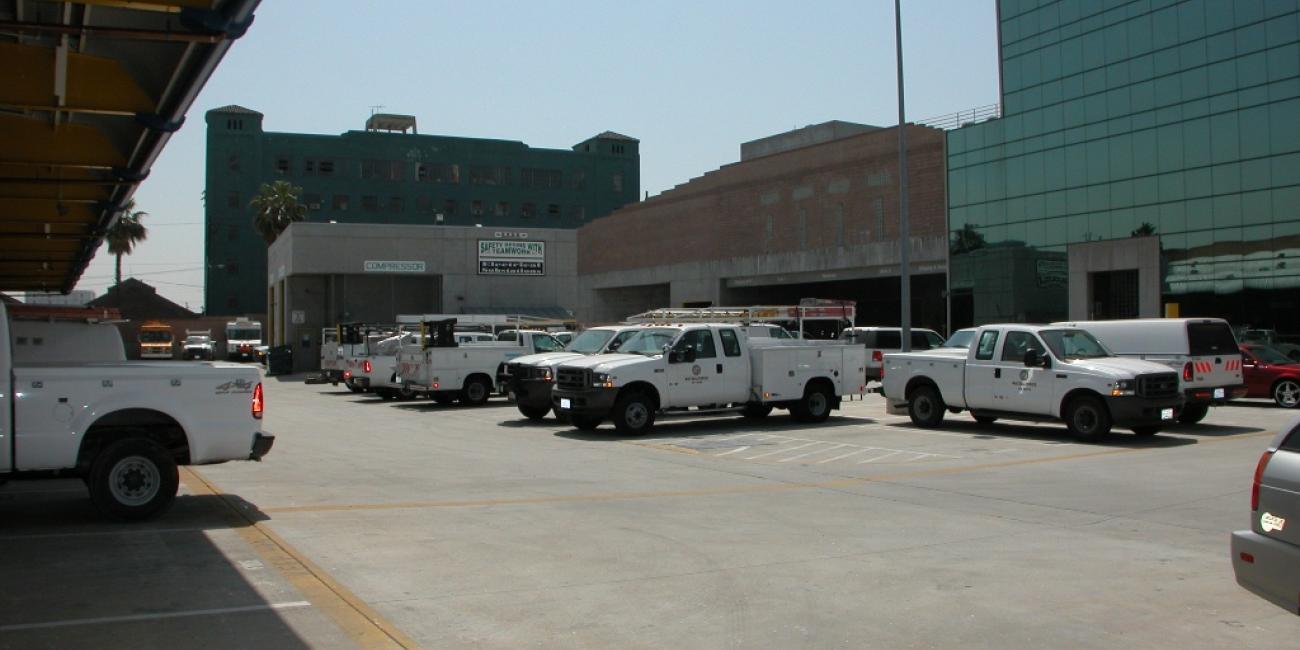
1269	373
1266	558
880	341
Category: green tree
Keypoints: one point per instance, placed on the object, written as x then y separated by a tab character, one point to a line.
277	206
124	234
966	240
1144	230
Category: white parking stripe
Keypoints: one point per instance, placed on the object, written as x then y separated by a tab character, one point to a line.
851	453
809	453
785	449
131	618
734	450
879	457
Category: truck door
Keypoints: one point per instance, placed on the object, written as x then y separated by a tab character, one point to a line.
1018	388
733	367
982	370
697	381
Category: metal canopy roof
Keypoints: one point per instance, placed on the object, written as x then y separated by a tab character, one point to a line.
90	92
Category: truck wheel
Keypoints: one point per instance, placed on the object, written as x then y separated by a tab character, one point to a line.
406	393
1146	431
1286	393
476	393
756	410
585	422
352	386
1193	413
815	405
925	407
634	413
133	479
985	419
442	397
1087	418
535	413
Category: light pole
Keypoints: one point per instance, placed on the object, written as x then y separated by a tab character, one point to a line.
904	232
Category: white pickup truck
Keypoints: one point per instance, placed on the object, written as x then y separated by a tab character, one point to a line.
438	364
377	371
706	369
529	379
1037	373
72	406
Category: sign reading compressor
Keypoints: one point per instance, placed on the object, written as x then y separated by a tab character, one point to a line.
496	257
393	266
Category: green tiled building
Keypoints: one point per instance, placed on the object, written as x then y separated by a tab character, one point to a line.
386	174
1147	163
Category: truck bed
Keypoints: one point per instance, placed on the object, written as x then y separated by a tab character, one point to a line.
781	369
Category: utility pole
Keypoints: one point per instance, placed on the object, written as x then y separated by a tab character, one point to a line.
904	231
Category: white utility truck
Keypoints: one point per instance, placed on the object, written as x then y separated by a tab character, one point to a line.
1037	373
437	364
72	406
706	369
198	345
378	370
331	353
1203	351
356	342
243	337
529	379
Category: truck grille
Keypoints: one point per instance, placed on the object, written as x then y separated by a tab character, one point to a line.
1164	384
519	371
572	378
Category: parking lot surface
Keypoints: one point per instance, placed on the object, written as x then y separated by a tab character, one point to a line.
388	524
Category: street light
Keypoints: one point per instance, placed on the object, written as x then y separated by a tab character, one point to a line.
904	232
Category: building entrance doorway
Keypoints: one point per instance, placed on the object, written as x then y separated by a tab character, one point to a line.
1113	294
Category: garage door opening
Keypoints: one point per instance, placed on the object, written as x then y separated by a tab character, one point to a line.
877	299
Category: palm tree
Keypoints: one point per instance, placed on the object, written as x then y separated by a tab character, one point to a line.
123	235
277	206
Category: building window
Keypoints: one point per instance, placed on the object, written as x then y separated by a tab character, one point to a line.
528	210
232	233
326	167
489	175
503	209
618	182
282	165
421	172
232	200
384	170
476	208
308	166
235	125
618	148
553	209
368	168
341	202
449	207
579	180
437	173
395	204
544	179
878	206
370	203
232	162
312	201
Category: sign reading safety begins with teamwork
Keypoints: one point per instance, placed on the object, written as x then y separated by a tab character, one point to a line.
496	257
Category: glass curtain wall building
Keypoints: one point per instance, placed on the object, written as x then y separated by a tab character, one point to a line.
1147	163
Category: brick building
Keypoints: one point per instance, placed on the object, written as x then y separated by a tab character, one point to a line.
808	213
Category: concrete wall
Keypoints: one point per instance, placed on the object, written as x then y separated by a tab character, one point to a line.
1141	253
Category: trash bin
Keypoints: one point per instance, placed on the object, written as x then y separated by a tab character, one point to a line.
279	360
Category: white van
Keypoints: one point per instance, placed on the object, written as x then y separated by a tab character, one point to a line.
1203	351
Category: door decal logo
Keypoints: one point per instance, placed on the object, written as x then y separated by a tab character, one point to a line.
235	386
1024	374
1270	523
695	370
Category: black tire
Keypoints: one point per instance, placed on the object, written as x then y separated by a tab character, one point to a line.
756	410
405	393
442	397
815	405
133	479
352	386
1087	418
1193	413
1146	431
1286	393
585	422
534	413
985	420
634	413
476	392
925	407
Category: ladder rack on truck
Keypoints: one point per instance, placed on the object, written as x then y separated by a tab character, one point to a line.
806	310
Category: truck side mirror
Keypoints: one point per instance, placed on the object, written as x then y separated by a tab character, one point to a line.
682	355
1036	359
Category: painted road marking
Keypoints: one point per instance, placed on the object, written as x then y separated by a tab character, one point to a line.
132	618
785	449
810	453
851	453
876	458
734	450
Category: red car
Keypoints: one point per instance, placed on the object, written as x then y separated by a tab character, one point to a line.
1269	373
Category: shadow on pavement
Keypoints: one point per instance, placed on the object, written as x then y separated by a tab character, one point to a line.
424	405
707	426
1118	438
177	581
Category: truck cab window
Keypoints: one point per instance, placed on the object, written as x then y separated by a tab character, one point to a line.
730	342
701	341
1017	344
988	343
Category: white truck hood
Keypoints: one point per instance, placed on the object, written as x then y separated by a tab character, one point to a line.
1119	367
546	358
608	362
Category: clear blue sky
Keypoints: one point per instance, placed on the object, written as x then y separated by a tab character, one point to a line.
691	80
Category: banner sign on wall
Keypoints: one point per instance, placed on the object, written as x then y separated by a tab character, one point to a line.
496	257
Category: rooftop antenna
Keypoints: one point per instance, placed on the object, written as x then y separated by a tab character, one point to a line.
376	108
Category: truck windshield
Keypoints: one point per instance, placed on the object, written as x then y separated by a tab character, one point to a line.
244	334
197	340
960	339
155	337
649	342
589	342
1074	344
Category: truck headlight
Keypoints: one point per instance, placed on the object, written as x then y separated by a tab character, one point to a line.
1122	388
602	380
